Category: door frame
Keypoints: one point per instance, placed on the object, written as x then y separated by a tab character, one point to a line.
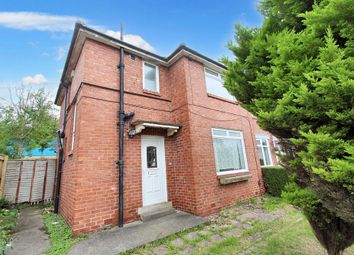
161	140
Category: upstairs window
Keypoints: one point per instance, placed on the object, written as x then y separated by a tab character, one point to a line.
215	84
264	151
229	150
151	77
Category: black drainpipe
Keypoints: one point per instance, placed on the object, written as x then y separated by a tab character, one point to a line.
60	136
122	118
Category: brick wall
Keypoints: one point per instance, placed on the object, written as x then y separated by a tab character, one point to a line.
89	191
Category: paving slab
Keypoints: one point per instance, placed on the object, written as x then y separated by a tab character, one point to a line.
204	243
177	242
189	249
216	238
115	240
205	232
191	236
30	237
161	250
236	232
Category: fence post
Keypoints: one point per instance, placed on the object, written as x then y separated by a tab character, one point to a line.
3	167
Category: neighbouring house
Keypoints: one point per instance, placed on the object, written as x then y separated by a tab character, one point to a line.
189	143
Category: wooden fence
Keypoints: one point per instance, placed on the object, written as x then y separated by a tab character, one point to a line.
29	180
3	165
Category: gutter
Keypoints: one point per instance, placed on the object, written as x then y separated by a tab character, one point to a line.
72	43
60	138
121	122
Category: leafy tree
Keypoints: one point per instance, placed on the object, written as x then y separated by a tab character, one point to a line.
26	122
296	73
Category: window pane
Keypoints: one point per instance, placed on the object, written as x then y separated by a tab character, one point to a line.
267	156
235	134
215	87
228	154
151	157
219	132
150	77
263	152
260	155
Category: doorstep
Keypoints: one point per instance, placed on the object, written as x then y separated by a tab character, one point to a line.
116	240
155	211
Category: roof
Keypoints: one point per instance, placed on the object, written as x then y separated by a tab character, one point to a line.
82	32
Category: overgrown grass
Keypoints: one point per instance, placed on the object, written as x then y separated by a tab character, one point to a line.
227	246
289	234
61	236
272	203
8	219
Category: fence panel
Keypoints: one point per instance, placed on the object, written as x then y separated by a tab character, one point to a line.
3	167
29	180
11	180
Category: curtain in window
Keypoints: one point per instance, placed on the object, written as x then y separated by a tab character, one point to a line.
229	154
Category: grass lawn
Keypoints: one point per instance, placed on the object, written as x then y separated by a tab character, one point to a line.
61	236
8	219
266	227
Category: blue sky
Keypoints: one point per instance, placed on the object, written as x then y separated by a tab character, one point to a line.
35	35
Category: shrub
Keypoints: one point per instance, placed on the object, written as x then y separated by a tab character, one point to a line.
7	224
275	179
4	204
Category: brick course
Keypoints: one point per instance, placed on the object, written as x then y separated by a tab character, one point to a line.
89	191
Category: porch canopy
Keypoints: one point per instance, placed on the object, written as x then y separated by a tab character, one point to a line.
140	125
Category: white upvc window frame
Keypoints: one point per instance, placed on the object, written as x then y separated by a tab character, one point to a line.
157	74
277	148
74	128
218	77
266	138
230	137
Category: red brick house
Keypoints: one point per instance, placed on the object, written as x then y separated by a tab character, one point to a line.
189	143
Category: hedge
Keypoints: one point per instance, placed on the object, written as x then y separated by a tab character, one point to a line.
275	178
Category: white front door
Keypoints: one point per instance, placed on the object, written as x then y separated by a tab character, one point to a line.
153	170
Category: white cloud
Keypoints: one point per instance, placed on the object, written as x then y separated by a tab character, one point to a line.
60	54
136	40
38	21
58	23
34	80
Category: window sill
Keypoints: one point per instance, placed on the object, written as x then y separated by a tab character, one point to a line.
267	166
234	178
223	99
150	92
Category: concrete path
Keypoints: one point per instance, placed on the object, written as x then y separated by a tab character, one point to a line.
116	240
30	237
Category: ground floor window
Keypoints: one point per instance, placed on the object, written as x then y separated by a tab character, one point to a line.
264	151
229	150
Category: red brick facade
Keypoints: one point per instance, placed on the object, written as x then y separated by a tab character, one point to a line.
89	186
